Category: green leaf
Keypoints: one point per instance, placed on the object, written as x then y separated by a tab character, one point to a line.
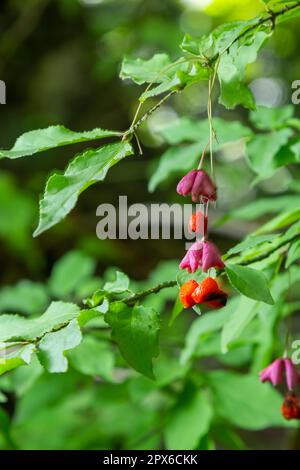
282	220
250	242
249	282
244	311
93	357
62	191
262	150
13	355
160	70
173	161
172	83
189	420
293	254
187	130
259	207
154	70
176	160
197	46
120	285
245	402
69	272
232	68
176	311
203	326
17	327
25	297
135	330
5	429
271	118
52	347
218	41
54	136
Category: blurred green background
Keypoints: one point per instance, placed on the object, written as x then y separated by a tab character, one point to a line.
60	61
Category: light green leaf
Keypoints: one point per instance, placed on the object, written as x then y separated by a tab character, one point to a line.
245	402
176	311
244	311
176	160
62	191
218	41
135	330
250	242
282	220
268	205
262	150
173	161
189	420
249	282
13	355
54	136
232	68
23	378
69	272
271	118
172	83
52	347
197	46
17	327
210	323
293	254
121	284
93	357
25	297
154	70
187	130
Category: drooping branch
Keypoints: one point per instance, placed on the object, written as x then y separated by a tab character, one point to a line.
153	290
272	250
270	17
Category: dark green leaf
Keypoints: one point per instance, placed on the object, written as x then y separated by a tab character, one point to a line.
135	330
249	282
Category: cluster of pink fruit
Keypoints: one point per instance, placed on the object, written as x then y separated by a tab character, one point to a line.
203	253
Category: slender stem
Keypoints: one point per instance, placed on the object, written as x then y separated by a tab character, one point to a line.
145	116
153	290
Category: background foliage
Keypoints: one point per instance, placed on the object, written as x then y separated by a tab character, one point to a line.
60	60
